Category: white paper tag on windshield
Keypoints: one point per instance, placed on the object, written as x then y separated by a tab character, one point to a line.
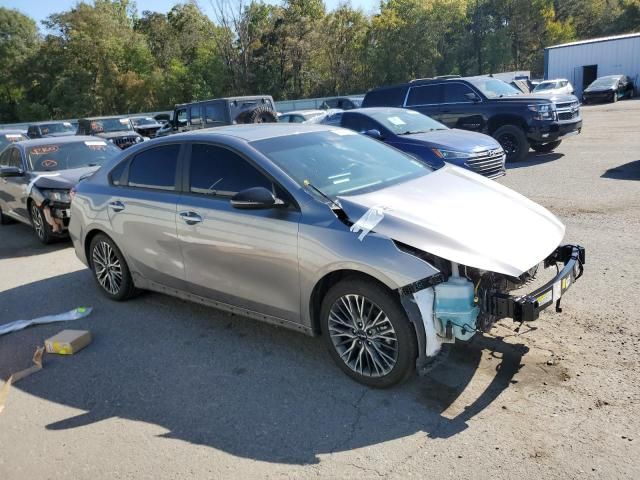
396	121
95	143
12	136
67	124
343	132
124	121
412	112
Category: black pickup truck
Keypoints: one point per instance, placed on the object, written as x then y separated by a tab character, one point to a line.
488	105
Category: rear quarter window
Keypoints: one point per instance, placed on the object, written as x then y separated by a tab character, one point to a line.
388	97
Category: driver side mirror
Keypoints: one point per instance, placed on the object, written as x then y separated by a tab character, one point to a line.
472	96
255	198
10	172
373	133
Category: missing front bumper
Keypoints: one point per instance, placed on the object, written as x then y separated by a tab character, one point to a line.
527	308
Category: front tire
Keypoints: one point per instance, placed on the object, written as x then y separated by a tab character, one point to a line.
546	147
110	269
368	333
514	142
40	226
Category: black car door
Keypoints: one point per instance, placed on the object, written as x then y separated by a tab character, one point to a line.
459	109
426	99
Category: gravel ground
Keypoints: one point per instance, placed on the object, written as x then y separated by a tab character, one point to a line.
169	389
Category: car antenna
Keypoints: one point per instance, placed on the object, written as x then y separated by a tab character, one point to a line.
307	183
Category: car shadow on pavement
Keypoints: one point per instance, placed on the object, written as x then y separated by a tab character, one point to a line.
22	242
628	171
227	382
534	158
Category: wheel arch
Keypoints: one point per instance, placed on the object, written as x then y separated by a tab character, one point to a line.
323	285
498	121
91	234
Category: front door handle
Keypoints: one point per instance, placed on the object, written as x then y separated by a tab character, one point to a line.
190	218
116	206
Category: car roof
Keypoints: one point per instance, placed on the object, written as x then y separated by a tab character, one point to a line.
369	110
58	140
105	117
304	112
48	122
229	99
12	132
253	132
609	76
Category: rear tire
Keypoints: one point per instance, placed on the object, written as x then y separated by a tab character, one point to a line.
513	141
368	333
546	147
110	269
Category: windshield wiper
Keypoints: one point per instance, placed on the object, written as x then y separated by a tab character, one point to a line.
411	132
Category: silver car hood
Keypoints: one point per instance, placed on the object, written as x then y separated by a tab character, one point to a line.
464	218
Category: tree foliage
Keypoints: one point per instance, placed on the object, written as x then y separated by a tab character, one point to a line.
104	57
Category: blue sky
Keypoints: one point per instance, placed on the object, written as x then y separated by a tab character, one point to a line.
41	9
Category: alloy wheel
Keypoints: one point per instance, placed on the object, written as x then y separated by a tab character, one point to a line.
107	267
38	221
363	336
509	144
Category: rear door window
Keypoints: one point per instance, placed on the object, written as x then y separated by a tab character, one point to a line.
218	171
5	158
16	158
181	117
388	97
214	114
455	93
425	95
155	168
195	113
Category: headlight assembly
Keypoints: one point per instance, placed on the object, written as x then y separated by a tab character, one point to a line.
451	154
543	111
60	196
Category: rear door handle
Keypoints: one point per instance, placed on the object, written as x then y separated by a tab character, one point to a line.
190	218
116	206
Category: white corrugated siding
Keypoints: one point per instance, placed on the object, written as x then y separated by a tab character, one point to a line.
619	56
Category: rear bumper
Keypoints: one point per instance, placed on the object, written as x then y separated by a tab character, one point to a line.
526	308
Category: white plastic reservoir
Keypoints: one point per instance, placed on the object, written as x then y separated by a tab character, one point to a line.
455	303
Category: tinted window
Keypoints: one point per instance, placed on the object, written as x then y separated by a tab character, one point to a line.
426	95
455	93
116	173
181	116
16	158
214	113
196	115
155	168
5	157
218	171
359	123
388	97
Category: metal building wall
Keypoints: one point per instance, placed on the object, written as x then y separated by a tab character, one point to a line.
615	56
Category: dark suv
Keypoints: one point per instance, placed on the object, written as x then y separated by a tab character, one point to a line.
488	105
222	111
117	130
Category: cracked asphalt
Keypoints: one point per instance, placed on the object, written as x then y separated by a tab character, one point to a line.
170	389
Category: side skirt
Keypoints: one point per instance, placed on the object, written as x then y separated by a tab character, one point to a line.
174	292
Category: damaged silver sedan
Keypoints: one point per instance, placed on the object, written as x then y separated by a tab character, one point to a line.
327	232
36	178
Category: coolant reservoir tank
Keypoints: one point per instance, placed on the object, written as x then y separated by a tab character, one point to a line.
454	303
